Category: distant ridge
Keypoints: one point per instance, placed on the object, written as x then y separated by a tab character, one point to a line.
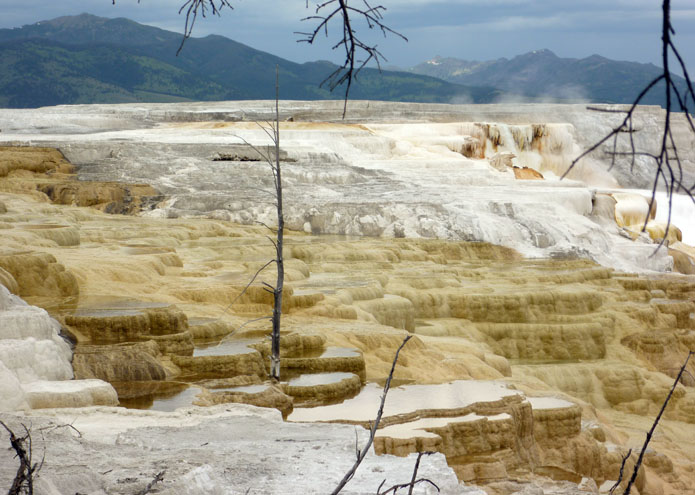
541	73
90	59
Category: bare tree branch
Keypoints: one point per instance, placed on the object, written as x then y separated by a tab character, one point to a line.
248	323
351	472
68	425
668	167
265	225
413	481
148	489
23	483
622	470
246	288
194	8
353	45
616	131
654	425
266	156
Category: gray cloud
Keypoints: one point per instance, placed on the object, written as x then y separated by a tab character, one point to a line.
468	29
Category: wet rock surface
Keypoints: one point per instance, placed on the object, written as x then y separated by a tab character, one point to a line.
397	172
584	355
571	329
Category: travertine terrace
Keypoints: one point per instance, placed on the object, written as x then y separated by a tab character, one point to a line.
538	359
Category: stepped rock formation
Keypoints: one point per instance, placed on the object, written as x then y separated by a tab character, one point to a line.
35	362
44	172
528	375
591	339
390	170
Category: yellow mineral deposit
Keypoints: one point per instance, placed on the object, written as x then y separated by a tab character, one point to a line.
45	173
518	368
526	173
683	257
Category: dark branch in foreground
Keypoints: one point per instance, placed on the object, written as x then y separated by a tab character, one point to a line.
351	43
362	453
23	483
669	170
621	474
656	422
413	481
148	489
194	8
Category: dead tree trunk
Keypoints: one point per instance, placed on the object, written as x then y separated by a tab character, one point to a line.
277	292
272	130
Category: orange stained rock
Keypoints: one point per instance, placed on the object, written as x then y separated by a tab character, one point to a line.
526	173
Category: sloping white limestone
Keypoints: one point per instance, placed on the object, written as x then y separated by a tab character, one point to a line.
229	449
391	169
35	362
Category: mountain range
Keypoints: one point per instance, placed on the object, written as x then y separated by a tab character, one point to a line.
90	59
542	74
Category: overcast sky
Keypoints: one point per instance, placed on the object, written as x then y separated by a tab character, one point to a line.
467	29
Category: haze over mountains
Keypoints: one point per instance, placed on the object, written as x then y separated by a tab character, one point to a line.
90	59
543	74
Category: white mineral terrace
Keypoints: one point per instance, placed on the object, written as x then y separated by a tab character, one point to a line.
35	369
403	400
419	427
548	403
261	454
390	169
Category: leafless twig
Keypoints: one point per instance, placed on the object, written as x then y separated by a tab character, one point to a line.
23	483
248	323
351	472
350	42
413	481
656	422
68	425
622	470
669	170
246	287
194	8
148	489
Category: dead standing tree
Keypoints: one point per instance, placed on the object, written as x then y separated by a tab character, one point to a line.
272	130
279	261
